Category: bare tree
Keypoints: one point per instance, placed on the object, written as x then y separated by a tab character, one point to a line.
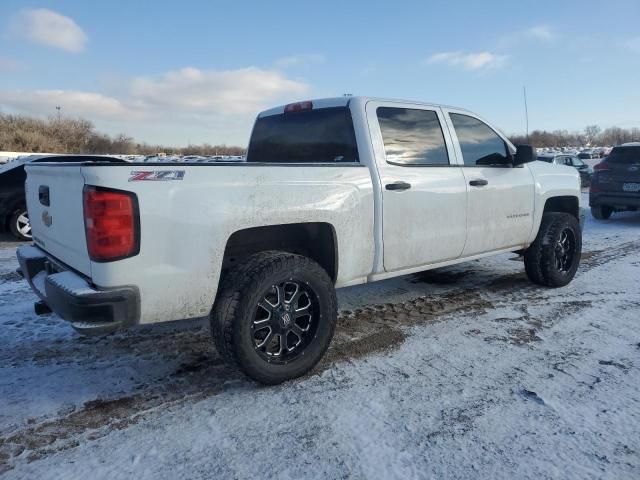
591	132
76	135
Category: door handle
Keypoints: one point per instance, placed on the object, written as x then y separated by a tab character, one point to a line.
398	186
478	183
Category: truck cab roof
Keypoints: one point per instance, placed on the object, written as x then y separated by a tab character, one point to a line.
344	101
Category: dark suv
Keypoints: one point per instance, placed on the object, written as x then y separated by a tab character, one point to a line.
615	186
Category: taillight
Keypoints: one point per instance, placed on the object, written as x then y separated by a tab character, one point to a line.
600	167
298	107
111	223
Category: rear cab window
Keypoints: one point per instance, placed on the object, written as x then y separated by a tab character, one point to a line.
323	135
412	137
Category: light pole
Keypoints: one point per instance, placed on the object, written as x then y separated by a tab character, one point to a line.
526	110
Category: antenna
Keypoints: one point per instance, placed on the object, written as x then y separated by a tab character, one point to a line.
526	110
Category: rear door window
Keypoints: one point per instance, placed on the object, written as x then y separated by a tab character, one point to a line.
412	136
324	135
480	145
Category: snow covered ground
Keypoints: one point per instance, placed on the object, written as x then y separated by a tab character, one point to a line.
463	372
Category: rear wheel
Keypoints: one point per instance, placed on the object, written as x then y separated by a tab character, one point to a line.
553	258
19	224
274	316
601	212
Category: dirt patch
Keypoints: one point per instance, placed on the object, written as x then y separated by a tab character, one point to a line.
596	258
10	277
587	257
522	336
386	338
99	417
511	281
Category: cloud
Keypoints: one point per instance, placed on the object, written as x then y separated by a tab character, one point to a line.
297	60
468	61
49	28
84	104
541	32
189	103
245	90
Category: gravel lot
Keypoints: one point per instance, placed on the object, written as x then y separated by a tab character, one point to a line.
463	372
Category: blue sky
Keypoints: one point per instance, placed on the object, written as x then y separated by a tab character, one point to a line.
198	71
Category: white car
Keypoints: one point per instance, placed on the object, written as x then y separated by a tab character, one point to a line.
334	192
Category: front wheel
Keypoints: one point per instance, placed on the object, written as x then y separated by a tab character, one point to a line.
274	316
601	212
553	258
19	224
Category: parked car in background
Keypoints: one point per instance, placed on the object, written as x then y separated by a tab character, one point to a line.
13	207
615	186
587	154
571	161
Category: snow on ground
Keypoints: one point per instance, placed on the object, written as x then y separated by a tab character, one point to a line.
463	372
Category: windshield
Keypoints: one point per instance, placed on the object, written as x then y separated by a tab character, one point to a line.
312	136
626	155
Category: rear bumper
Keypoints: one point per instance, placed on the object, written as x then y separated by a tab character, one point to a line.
90	310
614	199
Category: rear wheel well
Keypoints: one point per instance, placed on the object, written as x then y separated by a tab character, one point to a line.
316	241
563	204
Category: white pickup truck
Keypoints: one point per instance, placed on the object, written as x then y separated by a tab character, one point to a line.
334	192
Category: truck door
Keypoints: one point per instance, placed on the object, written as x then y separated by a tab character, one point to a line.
423	190
500	197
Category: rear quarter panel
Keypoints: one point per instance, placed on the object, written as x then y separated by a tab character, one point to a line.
185	225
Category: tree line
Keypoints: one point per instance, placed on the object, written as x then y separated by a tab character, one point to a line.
20	133
592	135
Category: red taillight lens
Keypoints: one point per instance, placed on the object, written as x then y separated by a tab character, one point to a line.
600	167
298	107
111	224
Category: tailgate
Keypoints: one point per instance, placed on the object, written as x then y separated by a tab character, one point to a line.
54	202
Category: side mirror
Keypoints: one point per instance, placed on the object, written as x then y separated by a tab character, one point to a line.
524	154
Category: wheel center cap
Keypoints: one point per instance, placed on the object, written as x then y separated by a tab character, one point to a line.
285	319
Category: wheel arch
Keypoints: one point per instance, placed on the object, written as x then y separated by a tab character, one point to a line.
316	240
563	204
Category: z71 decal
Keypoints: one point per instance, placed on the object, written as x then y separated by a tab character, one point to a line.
157	175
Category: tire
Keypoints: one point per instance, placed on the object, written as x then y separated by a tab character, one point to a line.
601	212
250	311
553	258
19	224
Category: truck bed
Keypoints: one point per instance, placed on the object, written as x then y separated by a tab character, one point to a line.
188	211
